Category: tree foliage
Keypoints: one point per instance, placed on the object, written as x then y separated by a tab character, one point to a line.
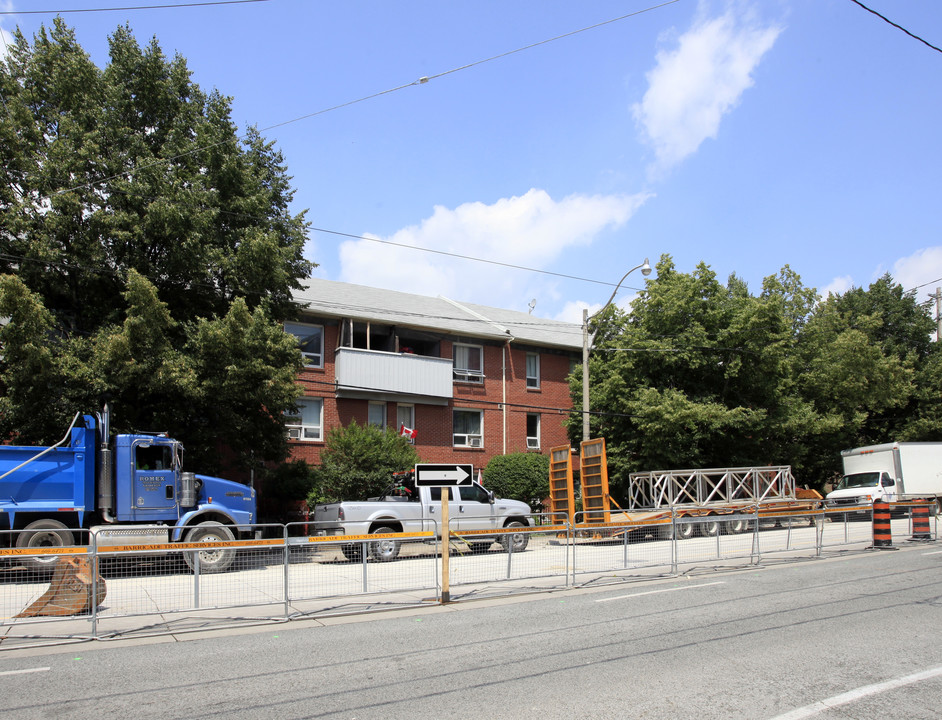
358	462
147	252
702	374
519	476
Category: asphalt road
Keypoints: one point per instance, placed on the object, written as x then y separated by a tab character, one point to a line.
855	636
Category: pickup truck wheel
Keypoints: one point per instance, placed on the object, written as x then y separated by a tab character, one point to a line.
516	541
386	549
353	552
215	560
43	534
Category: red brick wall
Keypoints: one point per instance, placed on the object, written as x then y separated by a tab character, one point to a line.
433	423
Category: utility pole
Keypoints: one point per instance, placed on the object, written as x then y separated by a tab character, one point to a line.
938	314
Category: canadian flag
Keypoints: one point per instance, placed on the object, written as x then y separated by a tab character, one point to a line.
407	433
480	477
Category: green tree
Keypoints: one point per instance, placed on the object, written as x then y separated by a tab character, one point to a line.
149	252
865	361
702	374
519	476
358	462
693	376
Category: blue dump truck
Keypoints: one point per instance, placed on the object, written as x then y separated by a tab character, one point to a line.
125	490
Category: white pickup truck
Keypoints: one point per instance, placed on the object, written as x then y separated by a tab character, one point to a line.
407	508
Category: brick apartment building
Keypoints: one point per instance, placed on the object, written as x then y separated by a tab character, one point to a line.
471	381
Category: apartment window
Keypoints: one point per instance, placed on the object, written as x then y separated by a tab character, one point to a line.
376	414
468	428
308	422
405	416
533	431
469	363
533	370
311	341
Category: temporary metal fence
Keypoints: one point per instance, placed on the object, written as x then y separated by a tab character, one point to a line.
296	572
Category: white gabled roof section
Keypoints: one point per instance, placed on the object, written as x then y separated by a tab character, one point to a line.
479	316
332	299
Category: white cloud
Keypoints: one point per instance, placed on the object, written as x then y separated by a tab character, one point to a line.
922	270
837	286
531	230
6	37
694	85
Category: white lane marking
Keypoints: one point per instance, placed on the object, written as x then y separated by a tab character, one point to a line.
655	592
934	552
857	694
23	672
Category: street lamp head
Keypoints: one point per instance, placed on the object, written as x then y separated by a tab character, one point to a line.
646	268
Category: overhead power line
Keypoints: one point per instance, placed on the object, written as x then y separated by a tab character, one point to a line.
898	27
472	258
421	81
129	7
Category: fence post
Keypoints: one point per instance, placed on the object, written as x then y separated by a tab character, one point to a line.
568	543
674	549
625	551
756	556
93	549
287	560
510	553
819	533
196	578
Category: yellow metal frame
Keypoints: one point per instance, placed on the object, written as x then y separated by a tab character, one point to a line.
562	497
593	467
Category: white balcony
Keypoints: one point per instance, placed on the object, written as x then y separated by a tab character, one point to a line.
392	376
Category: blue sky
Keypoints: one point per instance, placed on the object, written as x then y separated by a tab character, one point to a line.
744	134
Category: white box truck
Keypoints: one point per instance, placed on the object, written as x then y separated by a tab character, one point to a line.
891	472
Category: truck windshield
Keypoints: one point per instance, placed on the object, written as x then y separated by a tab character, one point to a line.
868	479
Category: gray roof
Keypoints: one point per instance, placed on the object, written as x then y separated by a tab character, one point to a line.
331	299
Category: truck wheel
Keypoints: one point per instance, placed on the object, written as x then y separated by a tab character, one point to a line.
386	549
43	534
685	531
516	541
215	560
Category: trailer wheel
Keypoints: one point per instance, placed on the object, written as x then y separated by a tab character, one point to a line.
710	528
685	530
43	534
214	560
386	549
737	527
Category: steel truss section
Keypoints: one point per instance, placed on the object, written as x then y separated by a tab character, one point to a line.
663	488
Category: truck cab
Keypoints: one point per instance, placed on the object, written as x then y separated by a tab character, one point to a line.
863	488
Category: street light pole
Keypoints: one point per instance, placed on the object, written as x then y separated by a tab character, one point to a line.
645	268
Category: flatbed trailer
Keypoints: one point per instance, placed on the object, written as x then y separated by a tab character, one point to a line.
734	497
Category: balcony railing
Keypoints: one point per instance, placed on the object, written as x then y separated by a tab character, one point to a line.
373	371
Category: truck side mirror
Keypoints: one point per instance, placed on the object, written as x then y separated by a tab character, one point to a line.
491	497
